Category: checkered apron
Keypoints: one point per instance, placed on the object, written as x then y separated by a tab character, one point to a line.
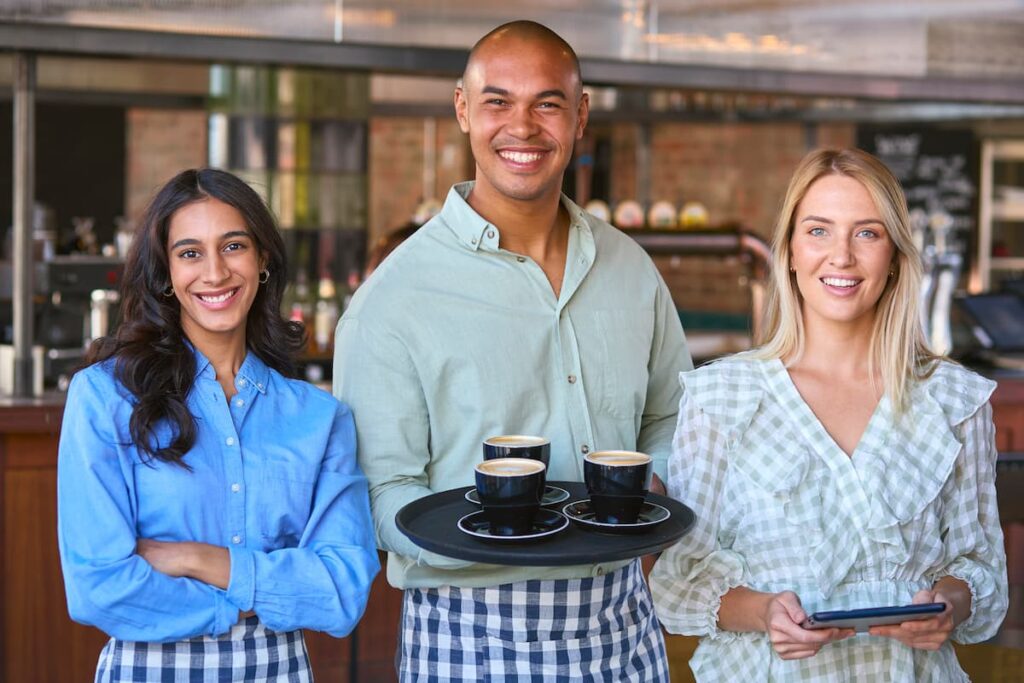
592	629
249	652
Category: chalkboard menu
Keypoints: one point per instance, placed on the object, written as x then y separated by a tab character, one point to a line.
937	168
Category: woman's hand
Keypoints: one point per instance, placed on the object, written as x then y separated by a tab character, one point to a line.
201	561
782	618
924	634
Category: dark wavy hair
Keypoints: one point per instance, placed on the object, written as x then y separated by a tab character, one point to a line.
152	359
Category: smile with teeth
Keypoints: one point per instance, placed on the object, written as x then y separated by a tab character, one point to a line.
839	282
218	299
520	157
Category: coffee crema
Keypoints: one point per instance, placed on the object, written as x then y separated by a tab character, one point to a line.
618	458
510	467
516	440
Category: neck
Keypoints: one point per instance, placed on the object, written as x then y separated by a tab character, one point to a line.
226	353
837	349
536	228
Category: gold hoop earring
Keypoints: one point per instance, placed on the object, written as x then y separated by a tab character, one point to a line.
264	276
169	292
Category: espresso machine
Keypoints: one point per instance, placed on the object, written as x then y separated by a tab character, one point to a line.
79	299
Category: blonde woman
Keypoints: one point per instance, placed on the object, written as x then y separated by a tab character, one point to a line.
839	465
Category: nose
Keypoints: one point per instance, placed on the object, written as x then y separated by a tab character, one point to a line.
215	269
522	124
841	255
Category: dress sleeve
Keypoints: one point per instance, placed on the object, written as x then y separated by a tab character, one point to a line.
108	585
668	356
690	578
323	584
972	536
374	374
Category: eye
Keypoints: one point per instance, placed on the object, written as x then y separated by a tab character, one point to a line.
495	101
234	246
188	254
817	231
867	233
549	105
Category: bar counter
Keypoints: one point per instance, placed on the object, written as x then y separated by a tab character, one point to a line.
40	644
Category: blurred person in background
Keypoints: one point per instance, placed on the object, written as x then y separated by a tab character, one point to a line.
210	506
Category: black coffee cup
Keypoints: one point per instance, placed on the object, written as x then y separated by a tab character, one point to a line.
520	446
618	482
508	491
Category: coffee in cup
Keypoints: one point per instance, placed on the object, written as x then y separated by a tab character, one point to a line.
618	482
520	446
508	489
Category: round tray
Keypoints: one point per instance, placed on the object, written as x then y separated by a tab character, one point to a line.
431	523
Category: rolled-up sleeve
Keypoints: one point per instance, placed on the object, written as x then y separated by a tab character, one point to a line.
690	578
323	584
107	584
971	531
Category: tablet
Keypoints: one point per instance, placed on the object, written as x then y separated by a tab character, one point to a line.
862	619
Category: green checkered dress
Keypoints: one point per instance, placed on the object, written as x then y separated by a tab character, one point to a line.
781	507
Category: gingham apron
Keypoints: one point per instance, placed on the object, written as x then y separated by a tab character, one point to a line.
592	629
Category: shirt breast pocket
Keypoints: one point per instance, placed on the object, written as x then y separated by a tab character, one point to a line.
284	502
616	348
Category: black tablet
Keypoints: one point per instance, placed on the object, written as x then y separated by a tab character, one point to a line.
863	619
998	320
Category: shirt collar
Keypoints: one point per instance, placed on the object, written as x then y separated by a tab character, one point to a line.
473	230
254	371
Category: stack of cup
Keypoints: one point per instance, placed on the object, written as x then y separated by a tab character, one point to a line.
512	464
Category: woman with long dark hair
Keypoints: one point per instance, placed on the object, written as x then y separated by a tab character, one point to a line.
210	506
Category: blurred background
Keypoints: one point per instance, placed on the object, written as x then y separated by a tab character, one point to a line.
339	113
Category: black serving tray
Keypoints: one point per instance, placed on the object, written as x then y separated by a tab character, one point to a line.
431	523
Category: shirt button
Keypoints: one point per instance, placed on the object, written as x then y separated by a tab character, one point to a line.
242	383
239	402
236	539
473	241
572	379
521	259
260	387
490	234
230	441
236	488
584	449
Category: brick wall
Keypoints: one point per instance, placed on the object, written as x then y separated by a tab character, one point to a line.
159	144
739	171
396	167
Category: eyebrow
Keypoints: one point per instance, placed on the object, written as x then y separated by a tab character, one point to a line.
189	241
863	221
495	90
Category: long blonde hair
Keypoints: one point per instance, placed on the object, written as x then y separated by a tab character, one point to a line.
899	352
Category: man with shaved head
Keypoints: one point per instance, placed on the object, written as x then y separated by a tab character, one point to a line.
512	312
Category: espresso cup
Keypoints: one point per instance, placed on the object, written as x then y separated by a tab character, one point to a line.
509	493
520	446
617	482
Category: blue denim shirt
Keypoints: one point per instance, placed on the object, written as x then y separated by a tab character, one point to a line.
274	479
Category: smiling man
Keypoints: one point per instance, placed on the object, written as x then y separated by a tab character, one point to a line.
512	312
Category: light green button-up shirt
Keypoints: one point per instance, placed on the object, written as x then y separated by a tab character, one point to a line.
454	339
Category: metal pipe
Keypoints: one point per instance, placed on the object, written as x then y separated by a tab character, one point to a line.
24	205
